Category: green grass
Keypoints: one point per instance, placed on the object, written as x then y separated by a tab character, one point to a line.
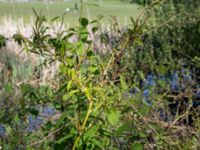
107	8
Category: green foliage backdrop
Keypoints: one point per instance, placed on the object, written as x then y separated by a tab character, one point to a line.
99	96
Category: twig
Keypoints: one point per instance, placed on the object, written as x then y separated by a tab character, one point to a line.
164	23
45	138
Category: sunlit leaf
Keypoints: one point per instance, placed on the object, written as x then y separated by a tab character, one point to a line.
123	83
69	94
69	85
137	146
66	96
91	132
113	117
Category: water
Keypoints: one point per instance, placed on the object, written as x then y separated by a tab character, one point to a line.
173	79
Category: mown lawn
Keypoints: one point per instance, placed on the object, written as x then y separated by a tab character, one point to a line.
106	8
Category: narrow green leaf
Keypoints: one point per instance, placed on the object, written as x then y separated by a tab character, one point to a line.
123	83
55	18
69	85
87	92
122	128
97	143
144	110
67	96
64	138
61	120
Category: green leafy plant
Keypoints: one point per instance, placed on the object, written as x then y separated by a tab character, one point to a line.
98	97
90	99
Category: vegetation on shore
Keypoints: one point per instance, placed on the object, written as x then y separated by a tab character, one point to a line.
135	87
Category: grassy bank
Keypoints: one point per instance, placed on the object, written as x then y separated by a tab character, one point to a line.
106	8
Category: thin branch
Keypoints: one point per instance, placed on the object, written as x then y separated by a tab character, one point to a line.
45	138
164	23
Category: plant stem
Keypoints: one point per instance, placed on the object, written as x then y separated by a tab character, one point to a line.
81	9
83	125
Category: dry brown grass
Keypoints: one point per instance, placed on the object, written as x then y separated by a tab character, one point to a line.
8	28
